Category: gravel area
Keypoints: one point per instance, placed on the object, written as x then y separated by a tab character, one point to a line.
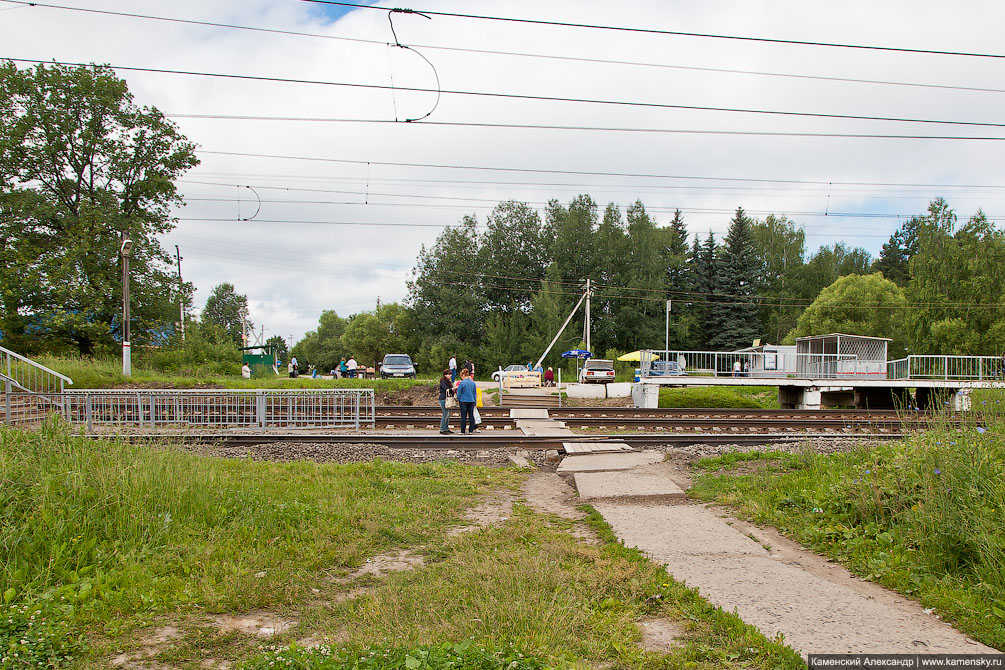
340	452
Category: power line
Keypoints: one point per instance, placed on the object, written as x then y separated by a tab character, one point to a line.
621	129
655	31
539	185
520	96
593	173
538	204
518	54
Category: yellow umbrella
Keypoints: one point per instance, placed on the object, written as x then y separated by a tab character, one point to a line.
635	356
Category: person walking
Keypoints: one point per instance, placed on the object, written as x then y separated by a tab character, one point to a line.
466	395
446	391
452	365
296	366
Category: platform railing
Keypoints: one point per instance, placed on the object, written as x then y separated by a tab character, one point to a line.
212	408
763	365
946	368
29	375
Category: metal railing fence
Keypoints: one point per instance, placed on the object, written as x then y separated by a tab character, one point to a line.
215	408
975	368
29	375
765	365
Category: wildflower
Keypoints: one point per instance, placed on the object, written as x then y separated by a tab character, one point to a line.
938	471
981	430
868	472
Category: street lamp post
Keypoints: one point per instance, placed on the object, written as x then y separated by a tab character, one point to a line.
666	342
124	251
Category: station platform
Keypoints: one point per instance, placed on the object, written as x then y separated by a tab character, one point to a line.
861	393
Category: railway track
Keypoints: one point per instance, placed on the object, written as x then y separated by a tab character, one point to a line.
674	420
480	441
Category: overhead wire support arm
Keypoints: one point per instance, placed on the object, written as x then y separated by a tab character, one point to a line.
397	43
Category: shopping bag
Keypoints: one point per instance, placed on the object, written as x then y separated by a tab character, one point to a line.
450	402
478	417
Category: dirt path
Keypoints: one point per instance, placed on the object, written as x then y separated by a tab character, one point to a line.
774	584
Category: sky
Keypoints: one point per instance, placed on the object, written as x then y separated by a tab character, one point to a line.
323	201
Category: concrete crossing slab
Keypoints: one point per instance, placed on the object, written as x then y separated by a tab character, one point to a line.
642	486
546	427
594	447
528	413
608	462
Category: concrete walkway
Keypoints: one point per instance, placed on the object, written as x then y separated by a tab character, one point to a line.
771	582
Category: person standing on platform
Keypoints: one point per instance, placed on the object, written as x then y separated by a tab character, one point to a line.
549	377
467	395
351	366
446	391
452	365
343	371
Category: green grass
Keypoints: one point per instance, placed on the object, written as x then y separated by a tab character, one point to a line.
106	541
925	516
755	397
530	585
94	531
88	373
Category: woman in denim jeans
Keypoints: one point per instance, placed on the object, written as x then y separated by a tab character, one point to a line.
466	395
446	391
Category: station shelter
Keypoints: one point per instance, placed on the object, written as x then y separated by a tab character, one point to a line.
840	355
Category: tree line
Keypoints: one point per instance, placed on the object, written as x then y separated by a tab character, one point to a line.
498	293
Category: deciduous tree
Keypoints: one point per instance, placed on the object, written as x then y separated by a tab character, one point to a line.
81	165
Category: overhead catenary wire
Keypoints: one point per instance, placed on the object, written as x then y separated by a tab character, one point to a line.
674	33
616	129
517	54
591	173
539	98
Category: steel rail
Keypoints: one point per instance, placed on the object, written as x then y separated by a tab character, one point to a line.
486	442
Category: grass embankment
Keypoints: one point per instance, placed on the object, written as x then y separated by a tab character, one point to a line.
754	397
89	373
925	516
107	542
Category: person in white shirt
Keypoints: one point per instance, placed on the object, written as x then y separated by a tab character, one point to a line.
246	371
351	367
453	368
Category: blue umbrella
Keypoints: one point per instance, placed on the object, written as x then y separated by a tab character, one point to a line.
577	354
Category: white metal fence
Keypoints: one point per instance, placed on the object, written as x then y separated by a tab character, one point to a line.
974	368
766	365
150	408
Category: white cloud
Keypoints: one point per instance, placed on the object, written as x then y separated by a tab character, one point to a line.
291	271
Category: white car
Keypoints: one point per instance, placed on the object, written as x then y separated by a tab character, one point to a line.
597	370
509	372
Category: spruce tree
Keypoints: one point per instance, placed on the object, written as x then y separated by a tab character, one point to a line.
734	320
